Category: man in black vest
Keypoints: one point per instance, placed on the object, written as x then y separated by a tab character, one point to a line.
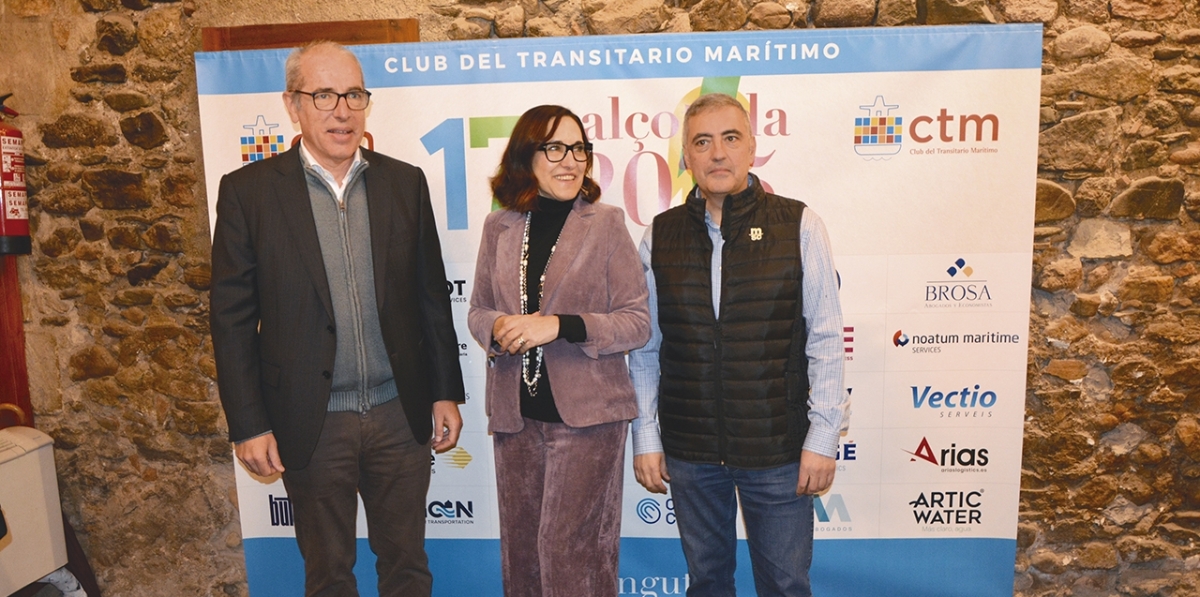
740	387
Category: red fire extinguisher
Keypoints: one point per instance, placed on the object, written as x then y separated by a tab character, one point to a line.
14	217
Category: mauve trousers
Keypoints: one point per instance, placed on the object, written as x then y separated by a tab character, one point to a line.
559	492
373	454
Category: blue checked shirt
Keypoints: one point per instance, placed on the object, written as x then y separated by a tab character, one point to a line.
828	403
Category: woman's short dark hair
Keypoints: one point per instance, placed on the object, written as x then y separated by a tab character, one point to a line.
514	186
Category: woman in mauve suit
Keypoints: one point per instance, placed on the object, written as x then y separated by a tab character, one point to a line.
559	297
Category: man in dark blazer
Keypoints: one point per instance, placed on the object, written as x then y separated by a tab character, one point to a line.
336	354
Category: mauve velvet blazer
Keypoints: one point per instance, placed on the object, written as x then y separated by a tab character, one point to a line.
595	273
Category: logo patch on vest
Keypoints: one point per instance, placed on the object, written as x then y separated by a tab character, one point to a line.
756	234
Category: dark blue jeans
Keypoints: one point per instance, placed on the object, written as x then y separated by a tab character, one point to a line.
779	527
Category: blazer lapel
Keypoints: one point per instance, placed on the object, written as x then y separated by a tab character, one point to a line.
570	245
291	192
379	208
508	263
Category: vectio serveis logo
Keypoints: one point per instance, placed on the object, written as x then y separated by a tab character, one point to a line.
967	402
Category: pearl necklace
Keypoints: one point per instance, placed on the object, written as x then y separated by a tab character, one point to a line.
531	382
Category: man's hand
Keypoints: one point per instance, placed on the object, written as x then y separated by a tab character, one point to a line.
816	473
447	424
260	455
651	471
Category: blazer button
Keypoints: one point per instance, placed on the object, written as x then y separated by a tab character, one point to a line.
330	328
326	374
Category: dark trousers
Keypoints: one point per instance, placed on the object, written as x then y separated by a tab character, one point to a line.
559	492
375	455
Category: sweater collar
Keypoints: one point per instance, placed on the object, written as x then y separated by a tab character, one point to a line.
736	208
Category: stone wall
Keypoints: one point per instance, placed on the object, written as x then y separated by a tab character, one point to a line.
116	304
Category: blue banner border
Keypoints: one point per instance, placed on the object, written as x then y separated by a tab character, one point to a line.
739	53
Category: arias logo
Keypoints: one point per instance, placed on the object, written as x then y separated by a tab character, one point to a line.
948	508
952	459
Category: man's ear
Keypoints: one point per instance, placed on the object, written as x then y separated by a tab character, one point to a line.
289	102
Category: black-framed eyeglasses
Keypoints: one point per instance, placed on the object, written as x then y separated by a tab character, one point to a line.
557	152
327	101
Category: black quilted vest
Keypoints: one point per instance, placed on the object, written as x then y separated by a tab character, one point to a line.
733	390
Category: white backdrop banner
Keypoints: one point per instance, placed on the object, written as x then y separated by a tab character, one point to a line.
916	145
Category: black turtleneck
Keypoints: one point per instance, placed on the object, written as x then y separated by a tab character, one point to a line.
545	225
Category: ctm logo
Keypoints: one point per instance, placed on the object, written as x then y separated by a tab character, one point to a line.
970	128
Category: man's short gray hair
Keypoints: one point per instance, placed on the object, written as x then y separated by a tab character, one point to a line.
291	68
712	101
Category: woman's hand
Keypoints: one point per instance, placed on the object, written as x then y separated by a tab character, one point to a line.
517	334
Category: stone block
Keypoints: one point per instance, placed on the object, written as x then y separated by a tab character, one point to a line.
77	130
843	13
1081	142
1147	10
770	15
629	16
116	34
1100	239
1081	42
117	189
91	362
1052	202
950	12
127	100
1119	79
718	15
1138	39
1150	197
65	199
1029	11
99	73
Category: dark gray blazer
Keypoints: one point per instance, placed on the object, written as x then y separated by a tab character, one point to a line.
272	316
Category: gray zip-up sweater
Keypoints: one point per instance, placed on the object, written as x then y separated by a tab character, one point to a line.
362	375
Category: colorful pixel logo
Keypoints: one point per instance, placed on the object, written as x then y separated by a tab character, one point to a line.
261	144
878	133
960	266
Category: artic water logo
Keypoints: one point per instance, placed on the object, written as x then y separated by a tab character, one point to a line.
934	509
878	133
262	143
